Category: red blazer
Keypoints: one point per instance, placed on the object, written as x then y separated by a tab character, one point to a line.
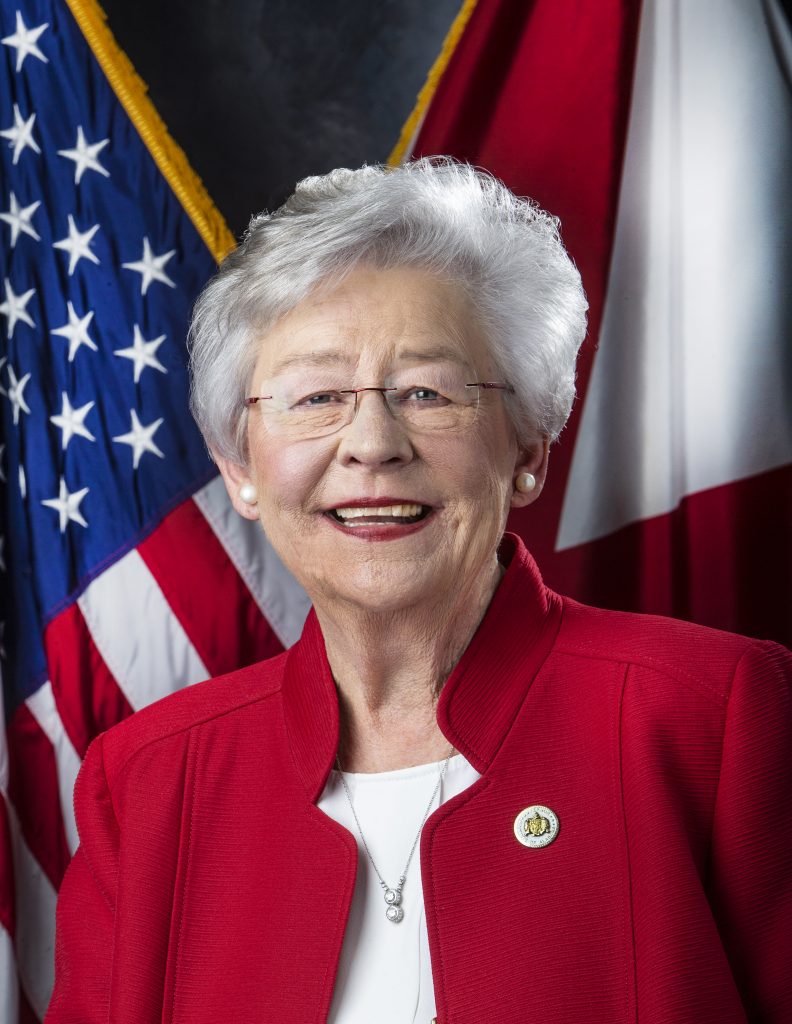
209	888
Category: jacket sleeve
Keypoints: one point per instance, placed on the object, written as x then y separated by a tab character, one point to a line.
85	913
751	857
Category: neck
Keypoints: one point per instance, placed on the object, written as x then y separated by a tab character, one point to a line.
389	669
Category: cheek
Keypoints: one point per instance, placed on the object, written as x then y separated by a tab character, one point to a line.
286	475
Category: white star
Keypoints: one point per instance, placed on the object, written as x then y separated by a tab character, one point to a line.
20	134
150	267
77	245
140	438
24	41
14	307
71	421
85	156
22	482
67	505
19	218
142	353
16	393
76	330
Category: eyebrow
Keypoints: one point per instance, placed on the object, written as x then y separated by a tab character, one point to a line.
310	359
442	353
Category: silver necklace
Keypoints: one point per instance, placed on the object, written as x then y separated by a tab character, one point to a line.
393	896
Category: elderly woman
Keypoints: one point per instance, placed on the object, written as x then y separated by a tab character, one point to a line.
459	796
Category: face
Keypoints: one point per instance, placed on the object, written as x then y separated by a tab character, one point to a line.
379	328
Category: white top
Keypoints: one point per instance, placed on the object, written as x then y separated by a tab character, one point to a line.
385	974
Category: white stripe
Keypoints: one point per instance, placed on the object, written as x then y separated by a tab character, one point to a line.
41	705
9	983
35	922
136	632
690	384
280	597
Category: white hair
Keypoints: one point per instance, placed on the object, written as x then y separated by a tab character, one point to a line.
435	213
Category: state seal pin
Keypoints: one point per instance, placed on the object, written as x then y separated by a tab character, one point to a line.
536	826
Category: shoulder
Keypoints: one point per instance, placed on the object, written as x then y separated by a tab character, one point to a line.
177	715
701	657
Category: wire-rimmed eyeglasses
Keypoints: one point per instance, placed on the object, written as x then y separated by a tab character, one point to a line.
293	411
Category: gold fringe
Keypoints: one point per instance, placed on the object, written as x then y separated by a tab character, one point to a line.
170	158
426	94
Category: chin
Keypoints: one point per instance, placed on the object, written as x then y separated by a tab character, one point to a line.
387	588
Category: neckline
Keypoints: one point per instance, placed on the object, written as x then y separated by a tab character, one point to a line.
401	774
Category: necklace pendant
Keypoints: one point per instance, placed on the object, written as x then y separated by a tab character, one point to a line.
393	897
394	913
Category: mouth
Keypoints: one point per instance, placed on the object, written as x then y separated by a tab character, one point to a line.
386	514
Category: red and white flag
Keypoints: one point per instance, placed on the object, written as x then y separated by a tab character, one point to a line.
661	135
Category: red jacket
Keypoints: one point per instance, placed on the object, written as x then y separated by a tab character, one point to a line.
209	888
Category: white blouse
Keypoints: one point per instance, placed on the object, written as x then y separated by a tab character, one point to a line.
385	973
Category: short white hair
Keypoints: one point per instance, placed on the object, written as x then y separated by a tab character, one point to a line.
436	213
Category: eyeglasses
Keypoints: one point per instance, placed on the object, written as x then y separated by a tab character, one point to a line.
445	403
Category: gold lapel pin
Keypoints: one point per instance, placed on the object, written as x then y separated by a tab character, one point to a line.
536	826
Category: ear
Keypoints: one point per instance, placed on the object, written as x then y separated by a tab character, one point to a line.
533	460
235	478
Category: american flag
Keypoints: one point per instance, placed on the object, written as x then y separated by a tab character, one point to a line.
124	574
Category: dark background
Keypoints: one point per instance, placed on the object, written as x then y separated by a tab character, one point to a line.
261	93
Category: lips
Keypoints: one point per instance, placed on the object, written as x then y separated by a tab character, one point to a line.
367	515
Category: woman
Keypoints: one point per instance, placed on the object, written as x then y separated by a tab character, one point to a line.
459	795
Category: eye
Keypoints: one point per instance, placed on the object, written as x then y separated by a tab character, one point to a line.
422	394
319	399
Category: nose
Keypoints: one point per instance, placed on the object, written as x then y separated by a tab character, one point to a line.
374	437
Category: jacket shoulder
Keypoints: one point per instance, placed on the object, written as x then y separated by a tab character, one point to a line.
181	711
692	654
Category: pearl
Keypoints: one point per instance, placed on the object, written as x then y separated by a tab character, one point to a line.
525	482
248	494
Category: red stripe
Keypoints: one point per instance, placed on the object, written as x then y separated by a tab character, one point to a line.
86	694
206	593
7	916
722	558
34	793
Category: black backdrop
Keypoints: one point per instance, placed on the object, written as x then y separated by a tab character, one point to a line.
260	93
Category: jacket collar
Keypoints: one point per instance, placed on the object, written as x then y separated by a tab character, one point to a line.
480	698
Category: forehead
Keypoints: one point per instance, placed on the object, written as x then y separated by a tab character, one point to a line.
376	317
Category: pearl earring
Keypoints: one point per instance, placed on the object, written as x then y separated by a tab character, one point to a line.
525	482
248	494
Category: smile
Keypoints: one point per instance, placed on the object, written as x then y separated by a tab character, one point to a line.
380	515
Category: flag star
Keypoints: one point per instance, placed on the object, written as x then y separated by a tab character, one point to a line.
140	439
150	267
14	307
22	482
18	217
142	353
85	156
67	505
77	245
16	393
20	134
71	421
76	330
24	41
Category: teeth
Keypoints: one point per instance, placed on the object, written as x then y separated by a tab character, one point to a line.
386	510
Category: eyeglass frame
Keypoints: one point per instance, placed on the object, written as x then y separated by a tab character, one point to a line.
492	385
